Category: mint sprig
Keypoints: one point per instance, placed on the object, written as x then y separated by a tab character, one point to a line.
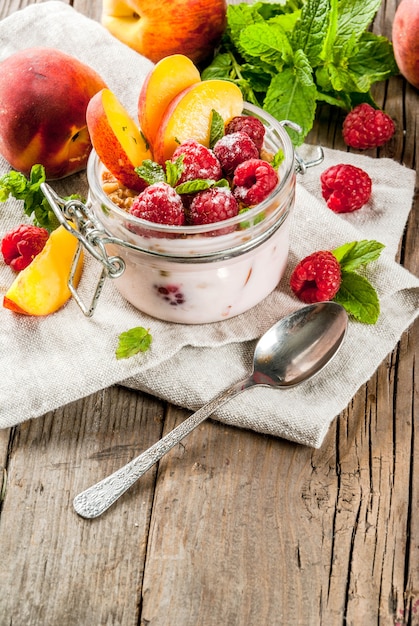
287	57
15	184
356	294
216	129
132	341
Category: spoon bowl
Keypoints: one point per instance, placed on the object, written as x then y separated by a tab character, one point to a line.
290	352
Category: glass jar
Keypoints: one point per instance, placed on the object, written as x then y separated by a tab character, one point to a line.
209	273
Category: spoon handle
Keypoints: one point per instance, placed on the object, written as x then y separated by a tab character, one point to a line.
99	497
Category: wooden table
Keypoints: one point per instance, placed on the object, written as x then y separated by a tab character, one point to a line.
232	528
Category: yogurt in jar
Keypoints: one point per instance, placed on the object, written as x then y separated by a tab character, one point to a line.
202	274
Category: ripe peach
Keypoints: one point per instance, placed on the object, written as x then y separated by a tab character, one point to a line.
43	99
166	80
42	287
118	141
157	29
189	115
406	40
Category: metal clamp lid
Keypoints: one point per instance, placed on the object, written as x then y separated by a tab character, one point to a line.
81	222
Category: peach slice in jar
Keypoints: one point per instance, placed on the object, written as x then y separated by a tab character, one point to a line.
189	115
168	78
117	139
42	287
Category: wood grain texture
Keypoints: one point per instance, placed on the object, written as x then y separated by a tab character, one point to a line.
232	528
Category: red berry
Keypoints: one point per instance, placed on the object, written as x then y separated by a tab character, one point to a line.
316	278
213	205
21	245
345	187
250	125
365	127
159	203
253	181
198	162
233	149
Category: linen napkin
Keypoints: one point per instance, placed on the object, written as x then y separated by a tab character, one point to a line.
48	362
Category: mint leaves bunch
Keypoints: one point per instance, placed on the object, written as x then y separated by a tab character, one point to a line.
287	57
15	184
356	294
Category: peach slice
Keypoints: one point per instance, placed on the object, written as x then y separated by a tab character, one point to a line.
165	81
117	139
41	288
189	115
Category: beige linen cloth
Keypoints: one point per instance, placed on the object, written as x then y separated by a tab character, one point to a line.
48	362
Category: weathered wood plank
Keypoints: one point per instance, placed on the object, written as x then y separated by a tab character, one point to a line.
54	566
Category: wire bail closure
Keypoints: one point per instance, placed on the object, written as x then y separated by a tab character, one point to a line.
80	221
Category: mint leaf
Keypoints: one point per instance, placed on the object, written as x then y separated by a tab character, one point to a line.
374	59
353	19
198	184
217	128
278	159
132	341
268	42
220	67
223	182
238	17
292	96
174	170
311	30
358	297
357	253
151	172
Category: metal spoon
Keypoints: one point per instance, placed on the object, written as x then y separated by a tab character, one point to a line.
292	351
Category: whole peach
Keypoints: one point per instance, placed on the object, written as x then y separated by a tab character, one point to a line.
44	95
157	29
406	40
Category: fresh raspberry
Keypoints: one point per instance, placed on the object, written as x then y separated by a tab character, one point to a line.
233	149
159	203
198	162
345	187
365	127
213	205
250	125
316	278
253	181
21	245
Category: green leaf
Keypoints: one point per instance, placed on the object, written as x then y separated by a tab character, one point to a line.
132	341
220	67
373	59
16	185
151	172
292	96
174	170
267	42
217	128
354	16
312	28
278	159
358	297
357	253
192	186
